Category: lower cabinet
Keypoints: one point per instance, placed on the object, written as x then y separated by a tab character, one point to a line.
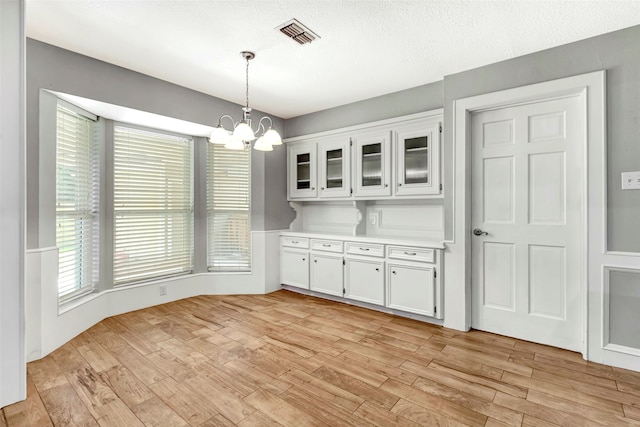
294	267
326	274
403	278
364	280
411	288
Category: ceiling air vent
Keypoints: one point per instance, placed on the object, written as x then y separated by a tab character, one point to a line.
297	32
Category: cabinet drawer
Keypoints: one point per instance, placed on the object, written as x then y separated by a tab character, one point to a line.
295	242
326	245
411	253
368	249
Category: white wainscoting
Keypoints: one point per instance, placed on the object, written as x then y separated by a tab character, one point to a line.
48	326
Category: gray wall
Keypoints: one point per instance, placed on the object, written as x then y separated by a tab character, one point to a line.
415	100
624	305
619	54
49	67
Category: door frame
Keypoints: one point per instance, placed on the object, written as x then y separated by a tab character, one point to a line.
591	87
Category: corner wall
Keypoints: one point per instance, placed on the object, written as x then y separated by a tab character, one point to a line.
12	202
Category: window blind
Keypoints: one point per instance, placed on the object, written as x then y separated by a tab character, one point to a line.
153	205
228	209
77	191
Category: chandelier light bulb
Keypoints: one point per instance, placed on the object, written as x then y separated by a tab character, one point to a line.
243	132
234	144
262	145
272	137
219	136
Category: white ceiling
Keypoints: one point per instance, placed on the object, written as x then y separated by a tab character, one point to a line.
367	47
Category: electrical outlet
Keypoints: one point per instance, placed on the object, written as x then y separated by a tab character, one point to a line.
631	180
163	290
373	218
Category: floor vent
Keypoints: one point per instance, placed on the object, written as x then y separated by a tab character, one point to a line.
297	32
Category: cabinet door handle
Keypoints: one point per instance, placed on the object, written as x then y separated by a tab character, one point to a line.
394	272
313	188
322	188
386	185
315	260
399	184
410	253
364	249
377	269
304	259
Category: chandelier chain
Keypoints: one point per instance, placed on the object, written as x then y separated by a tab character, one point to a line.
247	83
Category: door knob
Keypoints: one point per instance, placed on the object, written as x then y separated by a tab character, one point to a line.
478	232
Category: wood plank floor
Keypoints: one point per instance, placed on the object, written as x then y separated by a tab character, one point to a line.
292	360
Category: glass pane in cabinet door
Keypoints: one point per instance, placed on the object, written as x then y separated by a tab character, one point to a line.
303	181
371	165
334	169
416	161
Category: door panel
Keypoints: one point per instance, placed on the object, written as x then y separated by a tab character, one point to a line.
528	204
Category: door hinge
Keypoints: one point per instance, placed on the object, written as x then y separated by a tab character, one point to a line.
350	142
344	291
435	274
344	262
435	309
440	187
440	128
351	191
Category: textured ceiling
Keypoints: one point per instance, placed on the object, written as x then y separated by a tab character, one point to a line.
366	47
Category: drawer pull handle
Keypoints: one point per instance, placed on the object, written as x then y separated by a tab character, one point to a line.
410	253
294	242
364	249
326	245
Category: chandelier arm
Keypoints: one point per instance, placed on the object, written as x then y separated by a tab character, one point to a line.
233	123
264	128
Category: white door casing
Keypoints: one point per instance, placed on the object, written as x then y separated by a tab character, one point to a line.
527	194
458	256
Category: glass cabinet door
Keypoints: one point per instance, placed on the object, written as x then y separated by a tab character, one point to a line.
417	159
302	171
372	164
335	171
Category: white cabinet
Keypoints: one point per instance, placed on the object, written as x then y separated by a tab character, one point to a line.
302	171
390	158
327	274
364	280
294	267
410	287
417	158
372	158
334	167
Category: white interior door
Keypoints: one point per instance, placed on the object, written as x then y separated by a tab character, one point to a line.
527	196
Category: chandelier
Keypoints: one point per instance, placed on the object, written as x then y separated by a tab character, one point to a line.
242	134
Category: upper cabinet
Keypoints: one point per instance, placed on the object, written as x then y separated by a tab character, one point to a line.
302	171
417	159
372	164
391	158
335	167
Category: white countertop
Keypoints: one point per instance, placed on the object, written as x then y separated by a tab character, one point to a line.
386	240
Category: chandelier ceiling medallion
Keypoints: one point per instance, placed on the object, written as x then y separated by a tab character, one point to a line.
242	134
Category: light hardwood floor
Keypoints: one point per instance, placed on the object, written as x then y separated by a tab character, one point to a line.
292	360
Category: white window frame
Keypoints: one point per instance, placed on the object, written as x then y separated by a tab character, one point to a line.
228	209
77	199
135	248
